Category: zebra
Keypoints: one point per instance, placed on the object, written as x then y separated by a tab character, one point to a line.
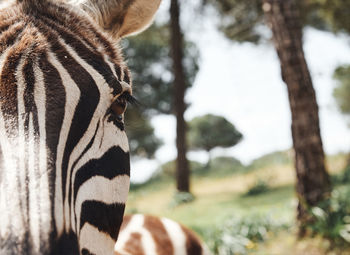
152	235
64	88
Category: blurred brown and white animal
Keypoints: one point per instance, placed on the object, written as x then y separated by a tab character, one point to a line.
150	235
64	87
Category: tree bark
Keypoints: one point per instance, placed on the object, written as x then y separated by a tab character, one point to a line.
182	168
313	184
208	164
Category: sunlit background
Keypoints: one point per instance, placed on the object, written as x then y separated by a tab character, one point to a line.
242	82
251	190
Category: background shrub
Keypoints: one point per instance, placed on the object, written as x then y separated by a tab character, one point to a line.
343	177
332	217
274	158
259	187
181	198
241	235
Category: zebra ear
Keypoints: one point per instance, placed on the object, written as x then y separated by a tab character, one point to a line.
121	18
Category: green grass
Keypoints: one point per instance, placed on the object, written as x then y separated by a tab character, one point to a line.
211	210
219	199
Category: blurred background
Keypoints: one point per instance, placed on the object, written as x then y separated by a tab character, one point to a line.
242	127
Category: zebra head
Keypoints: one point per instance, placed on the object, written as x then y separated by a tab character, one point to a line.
64	88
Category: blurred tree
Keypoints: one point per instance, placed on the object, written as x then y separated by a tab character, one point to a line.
313	184
210	131
342	90
286	19
142	140
242	20
177	53
334	14
149	60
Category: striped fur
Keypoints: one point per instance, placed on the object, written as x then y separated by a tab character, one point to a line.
64	161
150	235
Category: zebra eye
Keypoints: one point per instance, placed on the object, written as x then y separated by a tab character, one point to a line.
118	107
120	103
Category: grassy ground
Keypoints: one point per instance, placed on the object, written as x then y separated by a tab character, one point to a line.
222	198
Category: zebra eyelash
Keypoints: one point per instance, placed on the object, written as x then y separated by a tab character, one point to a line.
129	98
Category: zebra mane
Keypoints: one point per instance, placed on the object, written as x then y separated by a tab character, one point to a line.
32	4
35	6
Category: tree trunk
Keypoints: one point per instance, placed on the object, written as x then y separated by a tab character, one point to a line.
182	169
313	184
207	166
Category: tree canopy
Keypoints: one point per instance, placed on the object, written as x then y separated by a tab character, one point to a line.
335	13
142	140
242	20
211	131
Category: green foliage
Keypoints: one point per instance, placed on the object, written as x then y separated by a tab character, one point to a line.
142	141
181	198
335	13
148	57
274	158
164	176
210	131
240	235
222	166
219	167
342	90
239	19
259	187
242	20
343	177
332	217
168	169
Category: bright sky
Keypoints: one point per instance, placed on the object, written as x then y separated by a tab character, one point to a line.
242	82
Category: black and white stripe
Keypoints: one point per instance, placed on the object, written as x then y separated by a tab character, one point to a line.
65	170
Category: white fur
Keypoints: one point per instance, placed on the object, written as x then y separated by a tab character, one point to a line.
9	178
176	235
43	182
6	4
21	136
34	206
95	241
